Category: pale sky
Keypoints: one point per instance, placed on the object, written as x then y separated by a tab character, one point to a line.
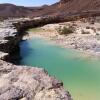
29	2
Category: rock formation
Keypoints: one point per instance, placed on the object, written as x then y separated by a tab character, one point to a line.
27	83
24	82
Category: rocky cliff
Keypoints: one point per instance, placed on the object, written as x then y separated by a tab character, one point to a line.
24	82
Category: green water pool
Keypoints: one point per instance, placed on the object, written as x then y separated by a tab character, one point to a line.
79	73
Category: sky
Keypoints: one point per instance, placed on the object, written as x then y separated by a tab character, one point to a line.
29	2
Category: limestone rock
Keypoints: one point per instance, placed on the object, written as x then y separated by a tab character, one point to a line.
29	83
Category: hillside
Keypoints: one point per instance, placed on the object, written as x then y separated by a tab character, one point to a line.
63	8
10	10
72	7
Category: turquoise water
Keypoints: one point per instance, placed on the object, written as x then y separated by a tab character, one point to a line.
79	73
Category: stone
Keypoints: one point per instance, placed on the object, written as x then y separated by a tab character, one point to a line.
29	83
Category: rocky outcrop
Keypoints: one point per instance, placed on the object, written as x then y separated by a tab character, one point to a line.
9	41
8	36
24	82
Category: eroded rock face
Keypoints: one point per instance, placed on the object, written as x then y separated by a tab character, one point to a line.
26	83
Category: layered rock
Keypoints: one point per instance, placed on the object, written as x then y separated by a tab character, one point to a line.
9	40
7	36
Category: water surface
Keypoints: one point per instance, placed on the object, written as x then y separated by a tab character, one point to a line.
80	74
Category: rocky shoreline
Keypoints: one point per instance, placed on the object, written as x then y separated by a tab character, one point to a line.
29	83
24	82
85	39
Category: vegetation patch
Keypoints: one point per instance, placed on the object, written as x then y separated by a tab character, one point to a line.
84	32
35	30
66	30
